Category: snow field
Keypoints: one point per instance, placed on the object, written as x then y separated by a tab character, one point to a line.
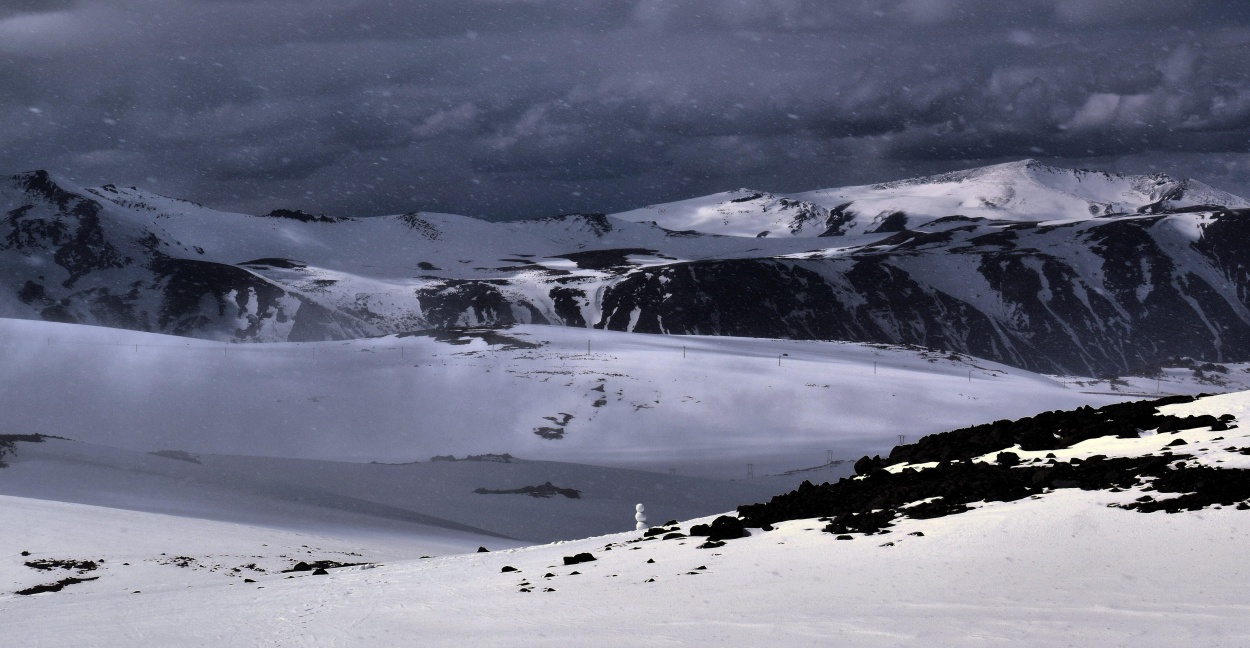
1042	572
633	401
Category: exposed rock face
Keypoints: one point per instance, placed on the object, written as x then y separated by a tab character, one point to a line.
73	261
1097	297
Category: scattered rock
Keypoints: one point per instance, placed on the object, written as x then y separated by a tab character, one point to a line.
869	504
1048	431
1199	487
318	565
508	568
871	501
578	559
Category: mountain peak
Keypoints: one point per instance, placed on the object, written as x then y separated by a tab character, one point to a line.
1023	190
42	184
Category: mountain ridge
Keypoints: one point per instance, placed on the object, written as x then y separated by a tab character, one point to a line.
1022	191
1088	293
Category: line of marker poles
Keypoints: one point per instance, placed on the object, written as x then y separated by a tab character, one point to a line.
1158	382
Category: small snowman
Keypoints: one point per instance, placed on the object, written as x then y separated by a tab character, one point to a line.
641	517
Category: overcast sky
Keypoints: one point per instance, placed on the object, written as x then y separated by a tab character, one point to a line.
518	108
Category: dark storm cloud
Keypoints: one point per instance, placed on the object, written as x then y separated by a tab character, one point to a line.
509	108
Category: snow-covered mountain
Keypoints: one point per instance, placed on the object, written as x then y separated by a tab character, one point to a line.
198	491
1036	280
1024	191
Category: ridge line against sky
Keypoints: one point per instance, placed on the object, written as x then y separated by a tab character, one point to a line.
510	109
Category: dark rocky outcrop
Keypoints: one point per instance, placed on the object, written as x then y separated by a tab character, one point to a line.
1045	431
318	565
71	564
1155	296
870	502
544	490
456	303
54	587
604	259
725	527
299	215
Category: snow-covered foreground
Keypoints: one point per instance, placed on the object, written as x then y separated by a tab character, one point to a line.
1063	570
695	405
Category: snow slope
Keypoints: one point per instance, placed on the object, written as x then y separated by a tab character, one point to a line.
424	500
1058	571
1021	191
531	391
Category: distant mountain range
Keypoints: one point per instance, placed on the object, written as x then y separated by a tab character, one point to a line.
1048	269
